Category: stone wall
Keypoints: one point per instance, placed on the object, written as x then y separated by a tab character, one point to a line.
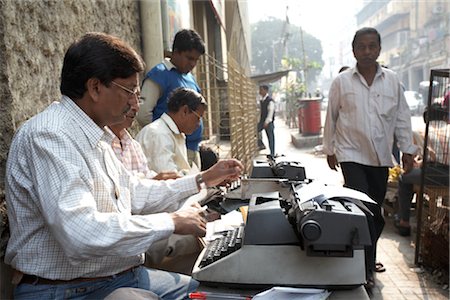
34	35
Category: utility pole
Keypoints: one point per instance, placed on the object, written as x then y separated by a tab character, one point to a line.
305	70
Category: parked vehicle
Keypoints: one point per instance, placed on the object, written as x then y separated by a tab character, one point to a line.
415	102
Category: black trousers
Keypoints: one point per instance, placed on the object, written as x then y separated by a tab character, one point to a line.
372	181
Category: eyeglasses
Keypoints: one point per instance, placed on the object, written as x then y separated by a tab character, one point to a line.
195	113
136	92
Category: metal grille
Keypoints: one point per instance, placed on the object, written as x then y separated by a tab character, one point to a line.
230	122
433	200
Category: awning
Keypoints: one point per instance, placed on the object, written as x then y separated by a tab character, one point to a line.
269	78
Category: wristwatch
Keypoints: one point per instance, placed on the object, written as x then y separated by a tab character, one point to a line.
200	183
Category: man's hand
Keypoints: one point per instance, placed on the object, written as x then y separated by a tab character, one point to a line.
332	162
408	162
266	125
166	176
190	220
223	170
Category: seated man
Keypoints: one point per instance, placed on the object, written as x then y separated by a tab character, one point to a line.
164	140
80	222
437	166
130	153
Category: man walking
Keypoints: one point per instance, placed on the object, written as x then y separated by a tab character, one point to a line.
366	109
266	118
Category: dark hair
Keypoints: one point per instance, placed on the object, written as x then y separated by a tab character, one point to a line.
188	39
208	157
343	68
264	87
97	55
184	96
364	31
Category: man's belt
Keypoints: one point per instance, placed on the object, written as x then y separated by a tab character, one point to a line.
33	279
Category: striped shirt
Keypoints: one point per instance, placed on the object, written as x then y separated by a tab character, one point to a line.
361	120
74	210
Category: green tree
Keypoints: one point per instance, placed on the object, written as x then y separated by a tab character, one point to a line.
274	40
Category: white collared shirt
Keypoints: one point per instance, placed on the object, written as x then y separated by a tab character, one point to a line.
164	146
74	210
361	120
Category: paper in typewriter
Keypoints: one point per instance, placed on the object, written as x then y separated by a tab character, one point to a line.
315	189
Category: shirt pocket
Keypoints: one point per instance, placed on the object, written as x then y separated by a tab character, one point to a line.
387	106
348	102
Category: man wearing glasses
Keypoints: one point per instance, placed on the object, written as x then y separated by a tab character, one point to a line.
80	222
164	141
128	151
164	144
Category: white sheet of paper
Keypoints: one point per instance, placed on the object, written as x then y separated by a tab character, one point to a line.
314	189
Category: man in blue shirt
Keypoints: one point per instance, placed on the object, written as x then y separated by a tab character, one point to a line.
168	75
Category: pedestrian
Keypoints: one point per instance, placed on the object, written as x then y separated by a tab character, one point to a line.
366	109
266	119
80	222
168	75
163	141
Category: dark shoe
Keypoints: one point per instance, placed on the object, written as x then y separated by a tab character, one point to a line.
403	230
379	268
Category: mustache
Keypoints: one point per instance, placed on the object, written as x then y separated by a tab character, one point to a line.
127	109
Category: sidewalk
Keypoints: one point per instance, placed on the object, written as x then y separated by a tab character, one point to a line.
402	279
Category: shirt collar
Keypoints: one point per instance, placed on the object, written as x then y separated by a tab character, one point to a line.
93	132
380	71
169	65
124	136
170	123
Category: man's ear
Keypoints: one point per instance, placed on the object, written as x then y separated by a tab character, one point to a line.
93	87
185	109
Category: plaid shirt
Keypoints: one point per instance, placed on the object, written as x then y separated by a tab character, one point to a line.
74	210
130	153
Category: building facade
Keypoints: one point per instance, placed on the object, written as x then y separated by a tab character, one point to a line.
415	36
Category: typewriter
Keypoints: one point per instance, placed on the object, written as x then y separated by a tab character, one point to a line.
260	180
297	233
278	167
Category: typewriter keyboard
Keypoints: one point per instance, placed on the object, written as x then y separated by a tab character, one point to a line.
229	242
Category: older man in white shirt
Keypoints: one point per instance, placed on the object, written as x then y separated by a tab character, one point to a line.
366	109
164	144
164	140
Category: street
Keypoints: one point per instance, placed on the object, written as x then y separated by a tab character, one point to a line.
315	164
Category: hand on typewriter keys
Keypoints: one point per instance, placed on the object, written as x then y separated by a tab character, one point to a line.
189	220
209	214
225	170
